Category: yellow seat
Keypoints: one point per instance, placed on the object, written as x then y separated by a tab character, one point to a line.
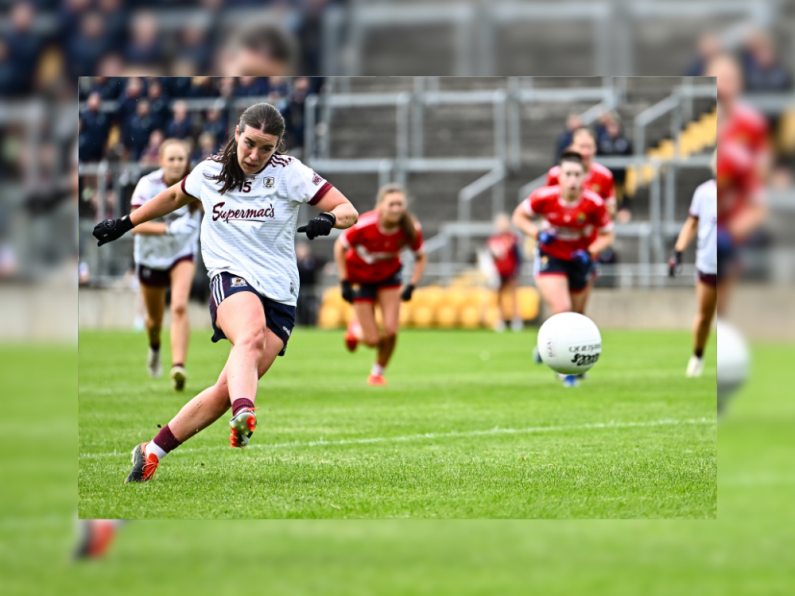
333	297
529	302
447	317
423	317
406	314
330	317
469	317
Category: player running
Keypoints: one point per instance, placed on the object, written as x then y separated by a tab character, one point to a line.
503	247
702	221
743	164
576	227
597	177
368	262
164	253
251	195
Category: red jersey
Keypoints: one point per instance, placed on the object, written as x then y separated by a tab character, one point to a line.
738	181
746	127
505	250
598	179
373	253
576	224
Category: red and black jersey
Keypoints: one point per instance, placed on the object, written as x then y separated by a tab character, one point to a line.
504	249
373	253
575	224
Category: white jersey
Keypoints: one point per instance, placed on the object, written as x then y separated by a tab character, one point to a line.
250	230
160	252
705	208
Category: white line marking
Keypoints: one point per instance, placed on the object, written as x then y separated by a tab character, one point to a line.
454	434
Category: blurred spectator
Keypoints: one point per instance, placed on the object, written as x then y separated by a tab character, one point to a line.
293	113
309	269
133	92
93	129
180	125
207	147
216	125
109	88
226	88
612	142
762	70
24	45
158	105
176	86
149	157
144	48
195	47
573	122
709	46
7	71
259	48
201	87
139	129
278	86
251	87
112	66
86	48
115	16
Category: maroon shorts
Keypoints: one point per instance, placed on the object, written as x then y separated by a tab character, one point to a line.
159	278
710	279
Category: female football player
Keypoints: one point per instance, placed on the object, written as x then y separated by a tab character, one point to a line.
164	255
702	221
251	196
368	262
504	249
575	228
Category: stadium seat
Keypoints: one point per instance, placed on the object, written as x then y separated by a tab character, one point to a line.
330	317
423	317
406	314
470	317
333	297
447	317
528	303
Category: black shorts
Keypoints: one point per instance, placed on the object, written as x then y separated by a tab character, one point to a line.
367	292
709	279
280	318
159	278
729	263
579	276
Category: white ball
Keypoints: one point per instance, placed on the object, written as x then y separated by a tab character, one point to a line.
569	343
733	361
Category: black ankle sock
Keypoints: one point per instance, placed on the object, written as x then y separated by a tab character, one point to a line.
699	353
155	346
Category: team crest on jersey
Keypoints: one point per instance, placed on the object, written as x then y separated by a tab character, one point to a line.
316	179
581	218
238	281
269	181
596	188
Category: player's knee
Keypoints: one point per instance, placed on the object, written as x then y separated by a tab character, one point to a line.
179	310
390	333
371	340
254	341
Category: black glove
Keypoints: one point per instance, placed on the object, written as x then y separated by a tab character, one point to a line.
112	229
319	226
347	291
405	295
675	264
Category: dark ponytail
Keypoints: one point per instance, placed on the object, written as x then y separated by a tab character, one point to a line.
407	222
261	116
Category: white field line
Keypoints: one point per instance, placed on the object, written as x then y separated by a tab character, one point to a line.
454	434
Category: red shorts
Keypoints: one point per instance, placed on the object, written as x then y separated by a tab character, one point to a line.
159	278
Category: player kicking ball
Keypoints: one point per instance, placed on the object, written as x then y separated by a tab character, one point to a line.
369	266
702	221
575	228
251	196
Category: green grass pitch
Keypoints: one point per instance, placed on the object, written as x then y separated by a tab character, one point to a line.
469	427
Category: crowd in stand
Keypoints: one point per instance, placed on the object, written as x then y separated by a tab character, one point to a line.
148	110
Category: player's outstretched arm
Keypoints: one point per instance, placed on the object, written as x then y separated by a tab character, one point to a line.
686	235
161	204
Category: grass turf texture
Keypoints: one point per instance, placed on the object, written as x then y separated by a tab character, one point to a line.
329	446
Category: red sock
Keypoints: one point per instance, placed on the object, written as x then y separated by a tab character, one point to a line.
241	404
166	440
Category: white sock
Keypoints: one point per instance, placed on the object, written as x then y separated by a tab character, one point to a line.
151	447
378	370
